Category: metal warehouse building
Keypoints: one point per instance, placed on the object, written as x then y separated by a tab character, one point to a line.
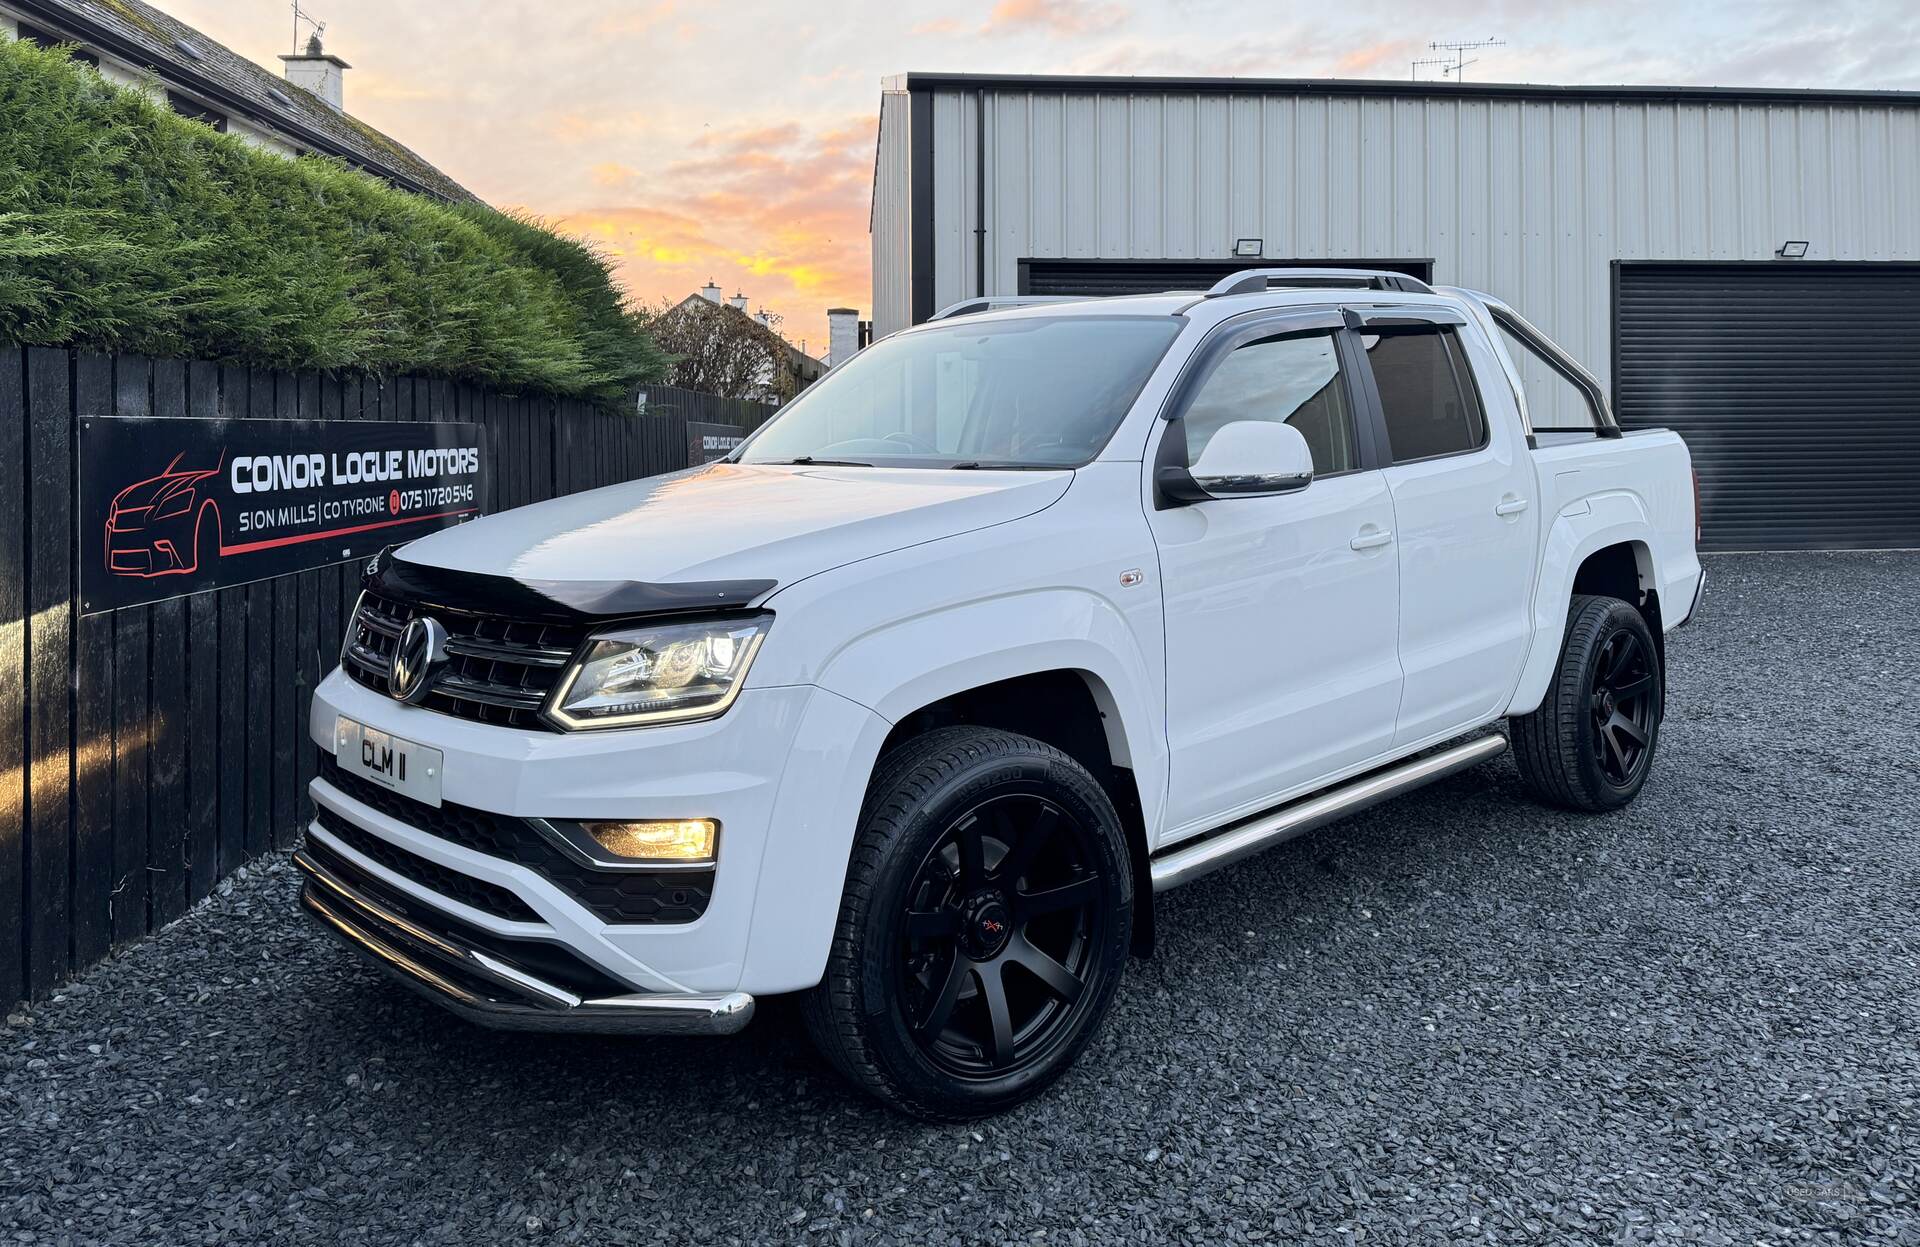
1741	265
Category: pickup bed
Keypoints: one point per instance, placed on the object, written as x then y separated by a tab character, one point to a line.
914	702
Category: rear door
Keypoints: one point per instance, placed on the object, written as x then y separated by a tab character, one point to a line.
1465	520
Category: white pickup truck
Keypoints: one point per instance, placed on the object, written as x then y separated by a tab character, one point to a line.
915	701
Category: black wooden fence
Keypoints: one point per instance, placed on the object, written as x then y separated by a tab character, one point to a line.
668	400
147	752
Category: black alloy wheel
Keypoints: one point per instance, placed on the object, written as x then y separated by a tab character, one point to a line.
1000	923
1590	743
983	929
1624	705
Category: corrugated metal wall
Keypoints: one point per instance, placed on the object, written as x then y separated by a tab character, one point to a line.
891	225
1528	199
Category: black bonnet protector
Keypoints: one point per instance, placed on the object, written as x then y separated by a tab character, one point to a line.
554	601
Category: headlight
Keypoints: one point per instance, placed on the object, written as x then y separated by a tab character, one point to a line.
663	673
179	504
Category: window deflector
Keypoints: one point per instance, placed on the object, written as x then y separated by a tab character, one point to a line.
1547	352
1236	333
1406	320
1173	485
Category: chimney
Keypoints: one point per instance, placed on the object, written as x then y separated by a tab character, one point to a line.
761	316
319	72
739	301
843	334
710	292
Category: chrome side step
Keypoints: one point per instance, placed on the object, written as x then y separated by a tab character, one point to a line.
1188	861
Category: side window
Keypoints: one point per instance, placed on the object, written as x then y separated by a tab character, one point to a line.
1294	381
1426	394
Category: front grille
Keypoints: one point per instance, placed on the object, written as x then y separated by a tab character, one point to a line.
661	897
497	670
541	958
486	897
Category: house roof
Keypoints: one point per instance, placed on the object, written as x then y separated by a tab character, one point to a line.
140	34
797	359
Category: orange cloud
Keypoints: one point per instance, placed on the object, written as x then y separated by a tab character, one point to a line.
751	138
636	22
1055	17
1387	54
585	128
612	174
773	209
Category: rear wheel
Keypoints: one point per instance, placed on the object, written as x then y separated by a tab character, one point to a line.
1590	744
206	538
983	929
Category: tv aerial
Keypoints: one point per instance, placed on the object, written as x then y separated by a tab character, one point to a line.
301	15
1457	68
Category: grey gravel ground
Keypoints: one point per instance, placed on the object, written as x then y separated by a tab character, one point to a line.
1459	1017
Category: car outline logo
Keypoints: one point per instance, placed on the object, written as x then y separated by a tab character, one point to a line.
163	526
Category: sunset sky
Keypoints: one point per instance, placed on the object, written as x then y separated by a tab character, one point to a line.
734	140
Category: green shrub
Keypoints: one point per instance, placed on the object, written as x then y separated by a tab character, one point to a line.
125	227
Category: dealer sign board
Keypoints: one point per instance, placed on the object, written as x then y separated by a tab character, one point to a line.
708	442
174	506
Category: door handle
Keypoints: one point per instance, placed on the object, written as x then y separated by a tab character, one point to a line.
1371	539
1510	506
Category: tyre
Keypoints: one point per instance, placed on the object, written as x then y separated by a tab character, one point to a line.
1590	744
206	538
983	929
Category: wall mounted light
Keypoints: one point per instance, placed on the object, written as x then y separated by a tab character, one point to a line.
1249	248
1792	250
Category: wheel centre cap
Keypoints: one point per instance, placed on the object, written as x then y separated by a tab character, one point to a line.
986	924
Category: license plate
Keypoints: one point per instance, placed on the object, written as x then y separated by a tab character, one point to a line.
407	767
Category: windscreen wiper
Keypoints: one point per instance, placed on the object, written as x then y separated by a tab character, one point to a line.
810	461
977	465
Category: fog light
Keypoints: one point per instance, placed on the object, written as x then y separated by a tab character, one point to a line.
676	840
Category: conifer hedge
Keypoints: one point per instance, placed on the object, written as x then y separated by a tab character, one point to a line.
125	227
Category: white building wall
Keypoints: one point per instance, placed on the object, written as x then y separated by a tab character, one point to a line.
256	137
1529	200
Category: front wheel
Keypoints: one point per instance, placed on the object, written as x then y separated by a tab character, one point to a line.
1590	744
984	926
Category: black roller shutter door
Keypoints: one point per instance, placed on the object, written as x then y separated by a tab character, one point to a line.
1797	388
1105	278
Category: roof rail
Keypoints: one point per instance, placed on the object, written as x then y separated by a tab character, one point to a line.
1255	280
994	302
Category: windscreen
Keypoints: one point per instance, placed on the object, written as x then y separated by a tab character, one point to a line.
1026	392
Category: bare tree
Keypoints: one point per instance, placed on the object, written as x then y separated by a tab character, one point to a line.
719	349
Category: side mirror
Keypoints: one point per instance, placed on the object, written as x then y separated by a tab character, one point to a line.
1254	459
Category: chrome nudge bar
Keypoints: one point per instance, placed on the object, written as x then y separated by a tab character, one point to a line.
485	989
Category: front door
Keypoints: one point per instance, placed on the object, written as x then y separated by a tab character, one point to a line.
1280	611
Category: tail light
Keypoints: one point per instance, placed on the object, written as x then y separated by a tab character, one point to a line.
1695	472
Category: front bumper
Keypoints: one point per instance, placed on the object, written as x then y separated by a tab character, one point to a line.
783	772
487	989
